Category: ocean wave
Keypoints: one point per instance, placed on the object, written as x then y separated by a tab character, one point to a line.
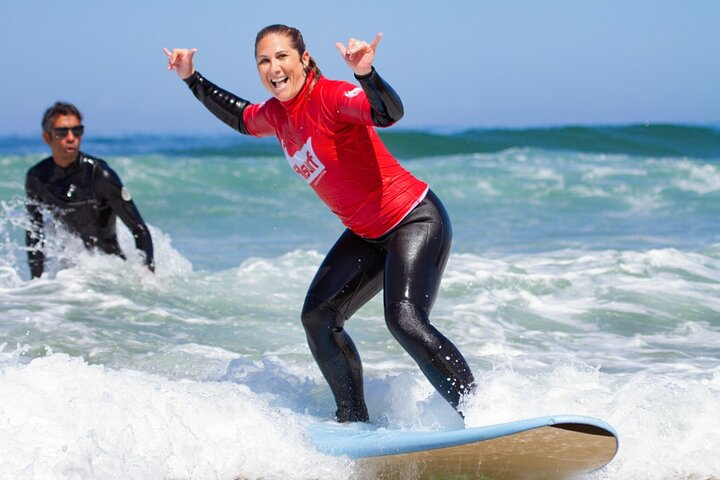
656	140
641	140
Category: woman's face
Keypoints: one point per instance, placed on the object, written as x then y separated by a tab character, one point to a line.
281	68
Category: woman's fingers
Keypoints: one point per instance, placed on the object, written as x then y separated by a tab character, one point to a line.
356	46
341	48
375	42
179	56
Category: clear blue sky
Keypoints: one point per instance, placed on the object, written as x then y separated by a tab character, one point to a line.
500	63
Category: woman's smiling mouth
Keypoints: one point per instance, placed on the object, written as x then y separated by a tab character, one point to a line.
279	82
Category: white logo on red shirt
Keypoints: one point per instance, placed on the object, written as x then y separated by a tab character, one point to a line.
353	93
305	162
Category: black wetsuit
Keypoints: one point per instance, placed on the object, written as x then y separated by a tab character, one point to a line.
407	263
86	198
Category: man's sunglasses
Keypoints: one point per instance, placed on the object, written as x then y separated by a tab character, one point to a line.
62	132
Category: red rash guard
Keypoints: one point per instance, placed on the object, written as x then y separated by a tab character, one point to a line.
328	138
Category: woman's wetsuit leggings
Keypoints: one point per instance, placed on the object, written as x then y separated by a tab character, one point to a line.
407	263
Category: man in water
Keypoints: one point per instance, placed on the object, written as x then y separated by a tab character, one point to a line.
81	192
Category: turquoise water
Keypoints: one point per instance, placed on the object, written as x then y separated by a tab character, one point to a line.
584	279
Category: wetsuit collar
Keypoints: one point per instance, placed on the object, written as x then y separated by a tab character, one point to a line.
299	100
74	163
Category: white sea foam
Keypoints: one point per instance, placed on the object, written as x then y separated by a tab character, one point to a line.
702	179
608	334
63	418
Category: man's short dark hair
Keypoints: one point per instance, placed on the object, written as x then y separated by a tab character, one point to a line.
60	108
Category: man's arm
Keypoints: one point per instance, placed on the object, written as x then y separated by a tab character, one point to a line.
34	238
109	186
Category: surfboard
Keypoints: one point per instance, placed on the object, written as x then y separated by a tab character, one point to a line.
543	447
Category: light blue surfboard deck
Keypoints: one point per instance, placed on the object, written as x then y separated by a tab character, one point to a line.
545	447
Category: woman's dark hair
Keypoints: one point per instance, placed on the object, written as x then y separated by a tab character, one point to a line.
60	108
296	40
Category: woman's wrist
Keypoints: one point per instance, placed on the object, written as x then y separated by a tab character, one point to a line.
362	76
191	74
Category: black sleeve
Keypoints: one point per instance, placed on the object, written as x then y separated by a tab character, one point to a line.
224	105
34	232
387	108
109	187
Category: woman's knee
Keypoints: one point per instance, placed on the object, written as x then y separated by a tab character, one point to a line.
409	324
318	316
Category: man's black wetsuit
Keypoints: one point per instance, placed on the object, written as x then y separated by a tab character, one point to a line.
86	197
